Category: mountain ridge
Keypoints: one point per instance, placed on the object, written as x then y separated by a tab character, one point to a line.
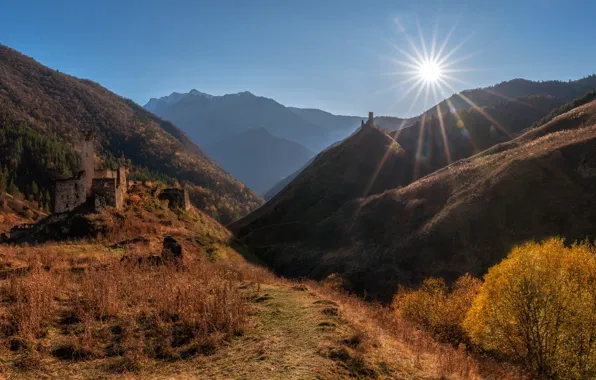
462	218
234	113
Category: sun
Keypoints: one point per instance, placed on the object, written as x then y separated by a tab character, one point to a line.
430	71
425	71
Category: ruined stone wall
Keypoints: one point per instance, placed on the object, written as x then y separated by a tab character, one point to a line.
177	198
121	179
121	186
105	173
109	190
105	194
88	161
69	194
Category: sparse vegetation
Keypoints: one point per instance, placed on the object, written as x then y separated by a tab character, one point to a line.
74	307
460	219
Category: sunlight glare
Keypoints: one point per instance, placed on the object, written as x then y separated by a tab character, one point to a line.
430	71
426	70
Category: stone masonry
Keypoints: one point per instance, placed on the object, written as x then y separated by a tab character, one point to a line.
177	198
69	193
100	188
109	191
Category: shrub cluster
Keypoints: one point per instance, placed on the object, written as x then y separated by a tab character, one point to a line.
537	308
438	308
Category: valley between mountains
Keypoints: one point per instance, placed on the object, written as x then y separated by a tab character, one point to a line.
233	237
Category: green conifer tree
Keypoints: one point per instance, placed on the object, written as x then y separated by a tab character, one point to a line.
3	180
12	188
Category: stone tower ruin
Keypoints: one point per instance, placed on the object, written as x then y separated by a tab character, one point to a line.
96	188
369	122
109	190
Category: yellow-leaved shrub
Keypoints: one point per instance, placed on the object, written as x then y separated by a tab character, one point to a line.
538	306
437	308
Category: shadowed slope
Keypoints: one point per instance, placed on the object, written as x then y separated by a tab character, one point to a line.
463	218
366	163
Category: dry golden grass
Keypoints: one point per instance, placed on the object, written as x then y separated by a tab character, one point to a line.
121	310
389	338
73	310
14	210
79	313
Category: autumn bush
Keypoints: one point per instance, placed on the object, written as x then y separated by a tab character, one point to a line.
538	307
438	308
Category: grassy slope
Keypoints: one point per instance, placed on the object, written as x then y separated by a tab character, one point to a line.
15	211
294	330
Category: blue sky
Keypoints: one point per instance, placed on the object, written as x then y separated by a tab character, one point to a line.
330	54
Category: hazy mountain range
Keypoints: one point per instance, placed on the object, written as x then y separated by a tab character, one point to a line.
254	138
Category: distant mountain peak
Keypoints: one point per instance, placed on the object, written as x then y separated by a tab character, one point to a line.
241	93
199	93
174	98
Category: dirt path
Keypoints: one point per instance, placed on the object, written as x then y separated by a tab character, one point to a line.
296	335
293	334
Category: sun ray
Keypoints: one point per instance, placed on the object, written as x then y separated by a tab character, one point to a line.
454	79
410	89
418	93
443	132
418	157
414	60
432	66
462	70
422	42
397	85
413	46
453	51
426	92
413	66
446	41
461	59
433	45
370	183
460	123
482	112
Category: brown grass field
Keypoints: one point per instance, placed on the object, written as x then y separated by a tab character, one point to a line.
72	309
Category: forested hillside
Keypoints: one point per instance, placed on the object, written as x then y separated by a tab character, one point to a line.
48	112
